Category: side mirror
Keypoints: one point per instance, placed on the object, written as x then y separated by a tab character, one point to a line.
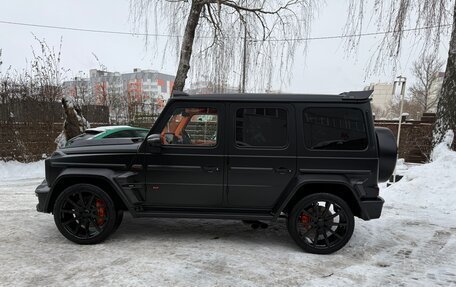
154	142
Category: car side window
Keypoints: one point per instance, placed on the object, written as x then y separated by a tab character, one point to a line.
334	129
191	126
139	133
261	127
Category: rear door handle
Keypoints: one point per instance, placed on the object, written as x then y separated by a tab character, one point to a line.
211	169
283	170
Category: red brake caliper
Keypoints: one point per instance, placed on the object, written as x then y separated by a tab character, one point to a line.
305	220
101	211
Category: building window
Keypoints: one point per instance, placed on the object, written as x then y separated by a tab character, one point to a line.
334	129
261	127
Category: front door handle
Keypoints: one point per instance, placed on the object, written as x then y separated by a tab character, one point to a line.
211	169
283	170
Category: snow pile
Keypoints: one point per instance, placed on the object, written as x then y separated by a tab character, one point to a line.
441	150
401	167
431	185
13	170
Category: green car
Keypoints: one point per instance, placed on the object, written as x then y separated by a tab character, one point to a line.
106	132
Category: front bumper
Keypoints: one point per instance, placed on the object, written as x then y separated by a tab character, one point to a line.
372	208
42	192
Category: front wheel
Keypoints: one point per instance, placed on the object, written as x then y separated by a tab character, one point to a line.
85	214
321	223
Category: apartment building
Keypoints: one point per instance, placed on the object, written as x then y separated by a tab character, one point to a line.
382	97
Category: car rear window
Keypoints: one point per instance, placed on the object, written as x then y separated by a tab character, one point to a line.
128	134
334	129
85	135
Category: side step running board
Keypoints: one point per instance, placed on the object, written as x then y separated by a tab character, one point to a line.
209	215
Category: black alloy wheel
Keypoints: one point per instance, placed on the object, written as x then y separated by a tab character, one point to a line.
85	214
321	223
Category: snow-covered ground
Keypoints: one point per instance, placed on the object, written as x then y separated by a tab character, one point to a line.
13	170
412	244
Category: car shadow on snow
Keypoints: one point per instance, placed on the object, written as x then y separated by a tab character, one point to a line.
192	230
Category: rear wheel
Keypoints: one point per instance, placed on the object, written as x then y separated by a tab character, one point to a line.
85	214
321	223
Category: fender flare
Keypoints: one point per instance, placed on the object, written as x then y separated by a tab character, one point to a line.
306	179
106	175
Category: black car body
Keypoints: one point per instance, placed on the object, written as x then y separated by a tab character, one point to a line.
315	159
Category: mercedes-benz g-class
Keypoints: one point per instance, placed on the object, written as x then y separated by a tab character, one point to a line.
314	160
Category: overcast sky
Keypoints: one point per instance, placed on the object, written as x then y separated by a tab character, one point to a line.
325	69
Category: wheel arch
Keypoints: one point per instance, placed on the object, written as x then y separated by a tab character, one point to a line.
100	181
338	188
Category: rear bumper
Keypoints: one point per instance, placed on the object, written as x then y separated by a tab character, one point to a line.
372	208
42	192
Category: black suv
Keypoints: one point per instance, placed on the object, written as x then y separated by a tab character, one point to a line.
312	159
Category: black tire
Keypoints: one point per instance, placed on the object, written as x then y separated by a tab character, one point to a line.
321	223
118	219
85	214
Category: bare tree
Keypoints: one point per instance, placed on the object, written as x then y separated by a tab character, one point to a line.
430	19
225	35
380	113
425	91
46	72
411	107
118	104
82	91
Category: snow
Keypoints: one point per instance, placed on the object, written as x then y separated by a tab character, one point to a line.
71	106
412	244
401	167
70	102
441	149
61	140
13	170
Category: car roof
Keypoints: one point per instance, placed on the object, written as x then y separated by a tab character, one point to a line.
352	96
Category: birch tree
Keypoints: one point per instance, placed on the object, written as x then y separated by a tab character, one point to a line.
226	40
429	20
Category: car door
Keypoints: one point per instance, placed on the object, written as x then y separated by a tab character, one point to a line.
188	171
261	153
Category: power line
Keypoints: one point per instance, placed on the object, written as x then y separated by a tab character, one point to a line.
87	30
252	40
357	35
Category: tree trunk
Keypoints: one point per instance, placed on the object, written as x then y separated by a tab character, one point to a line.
446	107
187	45
75	123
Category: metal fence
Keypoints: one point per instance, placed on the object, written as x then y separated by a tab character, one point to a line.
28	127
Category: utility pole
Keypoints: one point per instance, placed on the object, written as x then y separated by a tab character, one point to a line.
400	81
244	60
